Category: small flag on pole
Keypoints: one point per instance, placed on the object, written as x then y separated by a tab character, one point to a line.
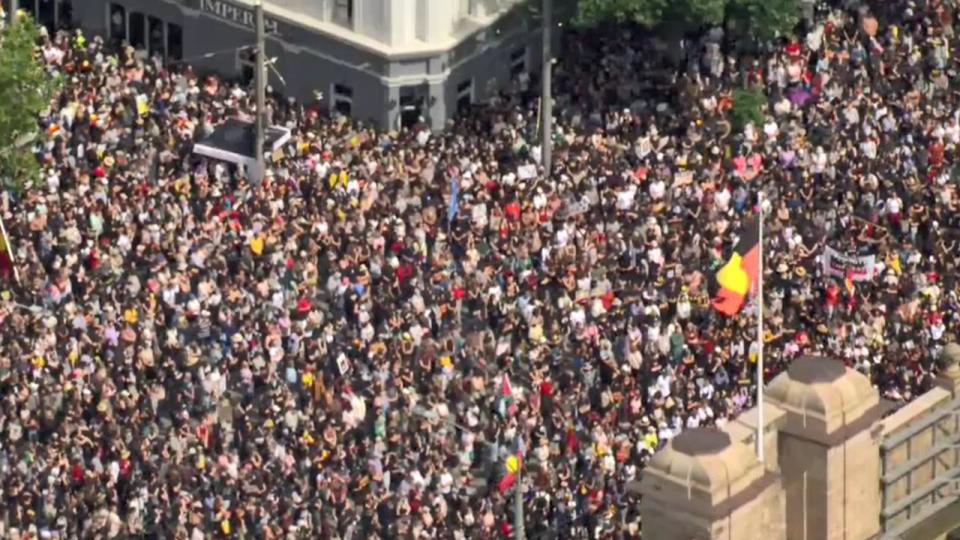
454	199
848	282
8	266
507	482
512	466
506	405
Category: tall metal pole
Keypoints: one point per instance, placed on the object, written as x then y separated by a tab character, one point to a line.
760	331
546	100
14	8
518	526
261	83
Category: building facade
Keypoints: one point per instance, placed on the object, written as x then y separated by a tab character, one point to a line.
385	61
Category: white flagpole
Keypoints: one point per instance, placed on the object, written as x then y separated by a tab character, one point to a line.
760	330
6	242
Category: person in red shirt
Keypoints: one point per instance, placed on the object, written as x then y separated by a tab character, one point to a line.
832	298
512	211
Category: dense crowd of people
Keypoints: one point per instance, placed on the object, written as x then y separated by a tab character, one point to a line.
341	352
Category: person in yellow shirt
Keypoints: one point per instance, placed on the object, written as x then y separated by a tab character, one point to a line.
651	441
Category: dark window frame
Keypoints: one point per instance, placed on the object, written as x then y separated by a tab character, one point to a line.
113	31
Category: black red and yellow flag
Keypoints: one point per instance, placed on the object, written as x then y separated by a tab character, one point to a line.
6	263
737	278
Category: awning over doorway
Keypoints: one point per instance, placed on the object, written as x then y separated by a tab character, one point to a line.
234	140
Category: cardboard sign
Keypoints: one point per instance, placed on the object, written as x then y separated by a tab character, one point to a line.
526	172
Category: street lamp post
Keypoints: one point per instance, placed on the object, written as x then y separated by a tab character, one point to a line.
261	83
518	522
546	99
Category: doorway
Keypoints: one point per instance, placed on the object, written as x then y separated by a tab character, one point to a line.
413	100
47	14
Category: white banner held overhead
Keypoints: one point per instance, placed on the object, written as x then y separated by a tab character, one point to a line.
859	267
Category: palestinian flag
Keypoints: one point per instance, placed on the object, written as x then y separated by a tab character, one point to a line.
506	404
739	275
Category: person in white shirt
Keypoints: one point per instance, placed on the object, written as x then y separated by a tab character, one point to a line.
722	199
952	130
664	381
869	148
819	161
657	189
894	206
626	196
771	129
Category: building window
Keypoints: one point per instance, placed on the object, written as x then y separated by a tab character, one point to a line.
157	40
118	22
343	90
174	41
342	99
138	31
518	61
47	14
464	95
28	8
343	12
65	14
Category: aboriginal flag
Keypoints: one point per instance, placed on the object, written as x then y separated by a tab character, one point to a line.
739	275
6	263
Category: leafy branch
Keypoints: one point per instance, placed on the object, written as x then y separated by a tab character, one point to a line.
26	91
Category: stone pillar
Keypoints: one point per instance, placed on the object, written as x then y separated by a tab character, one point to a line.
949	376
829	450
436	106
435	20
704	485
390	115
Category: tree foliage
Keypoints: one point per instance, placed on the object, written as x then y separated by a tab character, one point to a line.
763	20
646	12
760	20
747	107
26	89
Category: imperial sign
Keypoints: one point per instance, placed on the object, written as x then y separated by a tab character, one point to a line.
231	12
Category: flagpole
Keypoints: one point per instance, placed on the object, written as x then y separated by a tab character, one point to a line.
10	255
760	381
519	532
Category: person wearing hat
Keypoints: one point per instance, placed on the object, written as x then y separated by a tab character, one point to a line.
292	315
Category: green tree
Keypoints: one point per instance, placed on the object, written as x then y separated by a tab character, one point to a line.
748	104
648	13
26	88
763	20
758	20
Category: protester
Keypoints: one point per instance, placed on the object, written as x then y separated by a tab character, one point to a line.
358	345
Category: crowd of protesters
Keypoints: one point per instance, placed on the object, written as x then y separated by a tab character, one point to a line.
325	354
